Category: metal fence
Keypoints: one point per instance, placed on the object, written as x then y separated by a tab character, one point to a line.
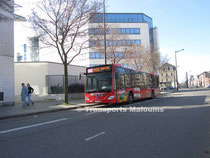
55	84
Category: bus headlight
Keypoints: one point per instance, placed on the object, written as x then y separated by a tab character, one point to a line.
110	97
86	98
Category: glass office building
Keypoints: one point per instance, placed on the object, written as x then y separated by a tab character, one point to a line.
125	18
123	29
122	18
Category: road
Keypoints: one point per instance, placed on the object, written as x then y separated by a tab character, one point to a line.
181	129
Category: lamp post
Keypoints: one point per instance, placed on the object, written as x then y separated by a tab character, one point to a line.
104	14
177	83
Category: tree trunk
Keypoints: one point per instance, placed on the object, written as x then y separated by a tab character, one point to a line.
66	83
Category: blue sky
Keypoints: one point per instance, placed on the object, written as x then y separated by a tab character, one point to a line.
182	24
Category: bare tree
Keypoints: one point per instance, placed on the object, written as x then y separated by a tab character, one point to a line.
157	60
117	47
192	81
143	59
6	10
139	58
62	24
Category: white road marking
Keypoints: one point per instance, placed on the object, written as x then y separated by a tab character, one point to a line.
31	126
89	138
91	113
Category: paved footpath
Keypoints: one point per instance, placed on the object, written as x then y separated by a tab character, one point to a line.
39	107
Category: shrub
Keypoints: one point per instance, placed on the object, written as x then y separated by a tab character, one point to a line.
76	88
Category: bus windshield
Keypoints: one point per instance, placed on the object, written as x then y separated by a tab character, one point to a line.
99	82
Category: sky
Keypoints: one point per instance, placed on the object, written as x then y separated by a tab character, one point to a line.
182	24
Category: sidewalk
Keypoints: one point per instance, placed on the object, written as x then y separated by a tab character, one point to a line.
167	92
38	108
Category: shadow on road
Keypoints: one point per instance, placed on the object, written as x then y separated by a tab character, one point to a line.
194	90
168	101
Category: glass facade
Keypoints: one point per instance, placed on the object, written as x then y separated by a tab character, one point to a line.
34	45
96	55
99	55
91	65
93	43
95	31
122	18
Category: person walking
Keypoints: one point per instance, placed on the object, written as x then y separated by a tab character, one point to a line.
24	92
30	91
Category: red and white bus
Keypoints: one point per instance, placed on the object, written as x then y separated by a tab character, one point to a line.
115	84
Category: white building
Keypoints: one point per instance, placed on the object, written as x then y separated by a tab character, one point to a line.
7	61
138	28
42	76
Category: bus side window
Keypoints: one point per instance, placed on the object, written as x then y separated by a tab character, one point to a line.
153	81
147	79
157	81
127	79
142	80
122	81
133	80
117	78
137	79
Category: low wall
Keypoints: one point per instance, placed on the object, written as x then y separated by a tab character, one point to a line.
72	96
76	96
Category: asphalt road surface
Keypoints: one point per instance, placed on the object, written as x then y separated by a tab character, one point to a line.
175	125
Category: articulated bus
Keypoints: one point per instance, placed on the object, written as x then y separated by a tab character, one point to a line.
116	84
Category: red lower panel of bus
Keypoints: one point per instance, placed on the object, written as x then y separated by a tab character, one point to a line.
121	96
100	98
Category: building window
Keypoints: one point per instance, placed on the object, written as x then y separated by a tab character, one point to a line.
93	43
25	47
119	55
91	65
34	45
121	18
92	55
99	31
19	57
96	55
137	31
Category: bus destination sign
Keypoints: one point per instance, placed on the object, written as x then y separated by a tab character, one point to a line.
99	69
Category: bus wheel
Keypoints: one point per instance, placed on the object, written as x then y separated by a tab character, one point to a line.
130	98
152	95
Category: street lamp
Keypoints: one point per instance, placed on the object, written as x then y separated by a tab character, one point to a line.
104	21
177	84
